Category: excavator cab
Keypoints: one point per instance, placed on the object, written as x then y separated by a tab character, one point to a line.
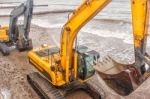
86	62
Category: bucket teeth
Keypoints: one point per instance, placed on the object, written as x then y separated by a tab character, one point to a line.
106	64
105	61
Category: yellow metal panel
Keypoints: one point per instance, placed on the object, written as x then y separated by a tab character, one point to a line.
4	34
75	64
42	64
139	18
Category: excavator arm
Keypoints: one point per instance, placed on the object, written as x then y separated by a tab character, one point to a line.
13	20
81	16
140	18
27	18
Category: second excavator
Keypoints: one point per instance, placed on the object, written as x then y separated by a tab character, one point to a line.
17	35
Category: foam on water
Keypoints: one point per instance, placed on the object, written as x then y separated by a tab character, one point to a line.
125	36
45	24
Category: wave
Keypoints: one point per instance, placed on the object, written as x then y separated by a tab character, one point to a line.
46	24
112	20
125	36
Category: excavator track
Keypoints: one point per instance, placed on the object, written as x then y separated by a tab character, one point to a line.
47	91
43	88
4	49
96	86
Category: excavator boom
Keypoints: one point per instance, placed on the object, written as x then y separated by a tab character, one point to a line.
85	12
140	22
13	20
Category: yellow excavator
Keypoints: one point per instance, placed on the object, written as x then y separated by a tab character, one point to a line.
14	34
125	78
68	68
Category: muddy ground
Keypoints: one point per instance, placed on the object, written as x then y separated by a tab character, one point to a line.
107	36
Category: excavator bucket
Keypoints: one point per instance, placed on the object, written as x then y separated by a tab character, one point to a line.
121	78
